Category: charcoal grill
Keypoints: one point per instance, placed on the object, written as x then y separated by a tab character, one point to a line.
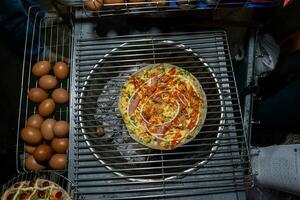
104	162
108	164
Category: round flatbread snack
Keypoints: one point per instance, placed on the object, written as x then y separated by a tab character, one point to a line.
163	106
35	190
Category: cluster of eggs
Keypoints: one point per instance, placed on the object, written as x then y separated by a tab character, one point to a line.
47	139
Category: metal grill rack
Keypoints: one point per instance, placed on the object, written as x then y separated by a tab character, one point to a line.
43	35
108	164
51	176
171	5
154	6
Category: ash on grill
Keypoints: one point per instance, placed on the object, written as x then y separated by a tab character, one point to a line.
115	131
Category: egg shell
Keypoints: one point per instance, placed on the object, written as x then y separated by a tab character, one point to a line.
60	96
32	165
29	149
37	95
43	153
93	4
113	1
47	82
35	121
47	107
58	161
41	68
31	135
47	129
61	129
160	2
60	145
135	1
61	70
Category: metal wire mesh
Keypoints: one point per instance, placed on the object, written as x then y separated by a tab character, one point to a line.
46	39
108	164
154	6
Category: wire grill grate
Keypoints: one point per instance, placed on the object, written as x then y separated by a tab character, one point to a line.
108	164
126	7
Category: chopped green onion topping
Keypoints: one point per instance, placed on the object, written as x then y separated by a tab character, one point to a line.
146	75
183	72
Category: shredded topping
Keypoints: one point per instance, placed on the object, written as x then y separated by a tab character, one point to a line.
164	104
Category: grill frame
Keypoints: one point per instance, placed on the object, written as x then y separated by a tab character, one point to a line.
86	181
189	170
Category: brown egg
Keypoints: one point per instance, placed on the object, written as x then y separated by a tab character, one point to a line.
29	149
35	121
31	135
113	1
32	165
47	129
93	4
47	107
43	153
61	70
60	96
58	161
61	129
60	145
135	1
37	95
160	2
47	82
41	68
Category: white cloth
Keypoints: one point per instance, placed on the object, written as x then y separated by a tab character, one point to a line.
267	53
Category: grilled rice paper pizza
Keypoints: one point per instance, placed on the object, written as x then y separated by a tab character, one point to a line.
163	106
35	190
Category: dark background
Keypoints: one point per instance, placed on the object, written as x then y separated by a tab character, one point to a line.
10	79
